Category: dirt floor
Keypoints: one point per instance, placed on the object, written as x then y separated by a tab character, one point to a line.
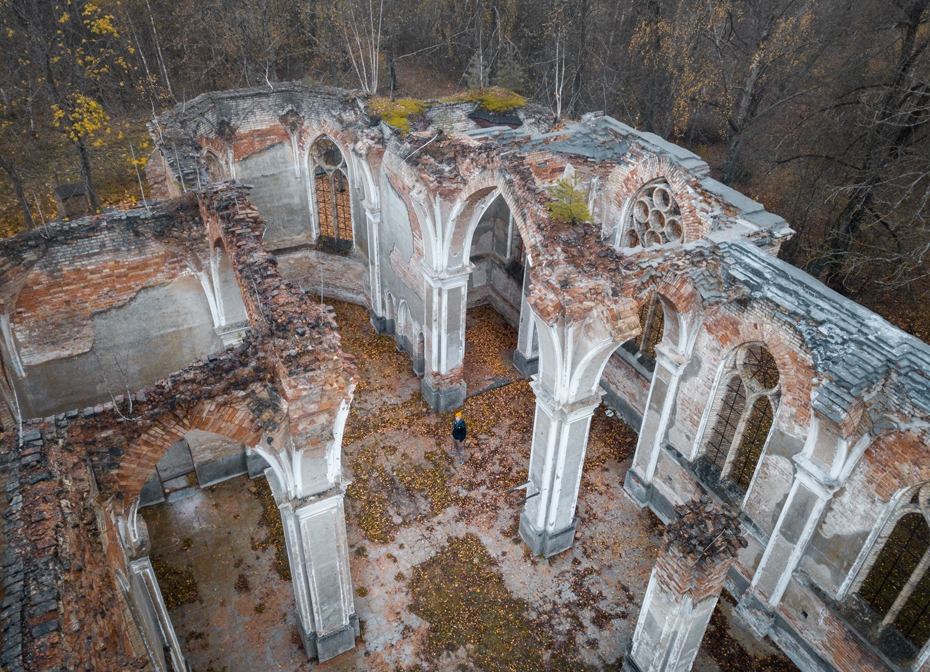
442	580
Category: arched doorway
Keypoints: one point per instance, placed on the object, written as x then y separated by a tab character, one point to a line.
495	299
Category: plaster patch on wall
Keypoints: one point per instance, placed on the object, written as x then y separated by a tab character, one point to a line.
855	508
771	484
396	222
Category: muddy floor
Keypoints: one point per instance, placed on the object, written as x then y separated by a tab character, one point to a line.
442	580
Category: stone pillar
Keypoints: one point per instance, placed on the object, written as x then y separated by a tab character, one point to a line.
810	493
560	438
526	356
446	296
697	551
573	353
661	401
376	310
143	579
317	550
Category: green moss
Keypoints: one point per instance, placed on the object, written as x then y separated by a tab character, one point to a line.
396	113
493	99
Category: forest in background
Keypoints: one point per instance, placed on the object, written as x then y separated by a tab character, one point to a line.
819	109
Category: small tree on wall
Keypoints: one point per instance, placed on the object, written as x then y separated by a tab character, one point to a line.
570	204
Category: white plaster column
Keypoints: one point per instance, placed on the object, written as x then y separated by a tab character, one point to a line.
810	493
143	576
373	224
318	554
444	338
661	400
526	356
572	359
696	554
560	439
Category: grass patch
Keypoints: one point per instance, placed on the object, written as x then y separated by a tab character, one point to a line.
492	99
178	586
367	494
396	113
460	592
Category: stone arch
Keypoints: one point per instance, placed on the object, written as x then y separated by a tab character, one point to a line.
477	195
872	578
230	307
742	408
682	308
337	178
402	326
732	330
626	182
215	165
143	454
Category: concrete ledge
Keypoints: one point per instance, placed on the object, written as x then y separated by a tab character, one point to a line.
380	324
256	465
629	665
443	399
329	646
152	492
636	488
210	473
526	367
626	412
543	543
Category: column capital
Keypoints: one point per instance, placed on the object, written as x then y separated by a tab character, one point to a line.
446	279
569	410
670	360
814	478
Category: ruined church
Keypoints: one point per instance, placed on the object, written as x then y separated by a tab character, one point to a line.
754	389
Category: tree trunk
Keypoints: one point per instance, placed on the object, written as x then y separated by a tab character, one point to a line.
578	79
86	177
887	137
12	173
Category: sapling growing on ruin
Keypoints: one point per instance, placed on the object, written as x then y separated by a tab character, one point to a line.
570	203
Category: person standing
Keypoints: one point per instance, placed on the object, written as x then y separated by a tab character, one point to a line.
459	432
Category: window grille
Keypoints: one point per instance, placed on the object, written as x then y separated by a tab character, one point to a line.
654	218
745	416
652	325
734	401
898	583
334	212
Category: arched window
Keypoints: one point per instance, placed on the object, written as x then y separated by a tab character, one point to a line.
215	168
334	214
898	584
652	323
654	218
744	417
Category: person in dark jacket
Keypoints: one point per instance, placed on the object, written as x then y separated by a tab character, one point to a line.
459	431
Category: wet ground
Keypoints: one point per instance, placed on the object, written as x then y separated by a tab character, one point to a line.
442	580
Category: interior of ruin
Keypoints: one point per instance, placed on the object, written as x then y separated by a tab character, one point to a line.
224	382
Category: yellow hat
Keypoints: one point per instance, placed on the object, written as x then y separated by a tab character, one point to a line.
458	415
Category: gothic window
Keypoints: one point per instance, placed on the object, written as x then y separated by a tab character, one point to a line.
333	211
652	323
214	168
744	417
898	584
654	218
